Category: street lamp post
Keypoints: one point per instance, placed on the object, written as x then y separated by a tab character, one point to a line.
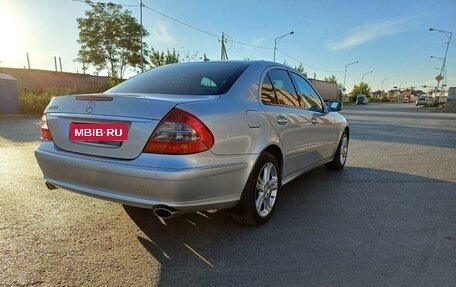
345	74
401	85
448	34
382	87
444	71
276	40
383	82
362	78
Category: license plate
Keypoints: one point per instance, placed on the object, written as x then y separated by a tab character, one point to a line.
103	132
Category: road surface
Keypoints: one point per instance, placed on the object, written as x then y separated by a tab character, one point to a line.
388	219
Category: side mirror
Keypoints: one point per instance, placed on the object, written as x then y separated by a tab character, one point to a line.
334	106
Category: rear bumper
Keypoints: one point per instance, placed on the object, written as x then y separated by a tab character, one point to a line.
186	183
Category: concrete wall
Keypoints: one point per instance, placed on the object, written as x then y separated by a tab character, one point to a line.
32	79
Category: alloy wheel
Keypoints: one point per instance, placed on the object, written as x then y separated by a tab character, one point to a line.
266	189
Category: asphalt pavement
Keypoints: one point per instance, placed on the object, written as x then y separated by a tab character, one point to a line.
387	219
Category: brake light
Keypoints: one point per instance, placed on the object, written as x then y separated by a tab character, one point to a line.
94	98
45	133
179	133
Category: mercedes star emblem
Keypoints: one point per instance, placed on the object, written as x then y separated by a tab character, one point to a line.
90	107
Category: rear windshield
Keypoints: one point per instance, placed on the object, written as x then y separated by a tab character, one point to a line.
199	78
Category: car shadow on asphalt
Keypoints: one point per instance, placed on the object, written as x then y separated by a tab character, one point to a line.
357	219
24	129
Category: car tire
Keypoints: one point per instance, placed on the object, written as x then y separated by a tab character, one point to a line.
340	157
259	197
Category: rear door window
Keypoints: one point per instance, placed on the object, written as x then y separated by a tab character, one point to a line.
283	87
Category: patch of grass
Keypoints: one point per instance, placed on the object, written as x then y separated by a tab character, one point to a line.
35	102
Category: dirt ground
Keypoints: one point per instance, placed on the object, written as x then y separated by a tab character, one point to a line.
449	107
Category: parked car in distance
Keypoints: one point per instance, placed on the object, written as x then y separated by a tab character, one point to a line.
422	101
193	137
405	100
361	100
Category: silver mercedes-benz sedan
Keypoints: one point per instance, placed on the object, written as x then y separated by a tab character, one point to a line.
193	136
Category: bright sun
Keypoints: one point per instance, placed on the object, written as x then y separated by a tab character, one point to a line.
10	34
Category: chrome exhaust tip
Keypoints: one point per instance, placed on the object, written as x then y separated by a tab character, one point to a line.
165	212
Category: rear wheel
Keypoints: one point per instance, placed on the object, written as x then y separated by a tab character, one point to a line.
340	157
259	197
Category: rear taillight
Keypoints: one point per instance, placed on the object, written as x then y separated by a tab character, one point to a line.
179	133
45	132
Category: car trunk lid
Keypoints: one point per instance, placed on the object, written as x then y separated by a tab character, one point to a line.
141	113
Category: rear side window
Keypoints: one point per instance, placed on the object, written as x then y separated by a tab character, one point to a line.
283	87
268	95
201	78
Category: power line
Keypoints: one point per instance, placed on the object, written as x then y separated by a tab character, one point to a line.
204	31
253	46
348	73
245	44
187	25
312	67
217	36
365	80
183	23
85	2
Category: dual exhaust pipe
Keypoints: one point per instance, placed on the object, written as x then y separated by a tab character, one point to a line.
161	211
165	212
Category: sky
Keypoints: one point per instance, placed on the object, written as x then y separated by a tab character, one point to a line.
391	38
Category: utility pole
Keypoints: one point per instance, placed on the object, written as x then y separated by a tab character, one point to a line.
28	61
224	55
141	32
60	62
55	63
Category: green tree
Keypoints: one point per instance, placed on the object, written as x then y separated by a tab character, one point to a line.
110	39
300	69
188	57
362	88
331	79
158	58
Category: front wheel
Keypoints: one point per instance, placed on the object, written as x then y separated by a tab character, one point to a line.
259	197
340	157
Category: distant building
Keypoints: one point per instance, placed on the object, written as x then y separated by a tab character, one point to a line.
9	99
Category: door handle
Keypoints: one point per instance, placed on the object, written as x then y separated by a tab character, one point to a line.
282	120
314	121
